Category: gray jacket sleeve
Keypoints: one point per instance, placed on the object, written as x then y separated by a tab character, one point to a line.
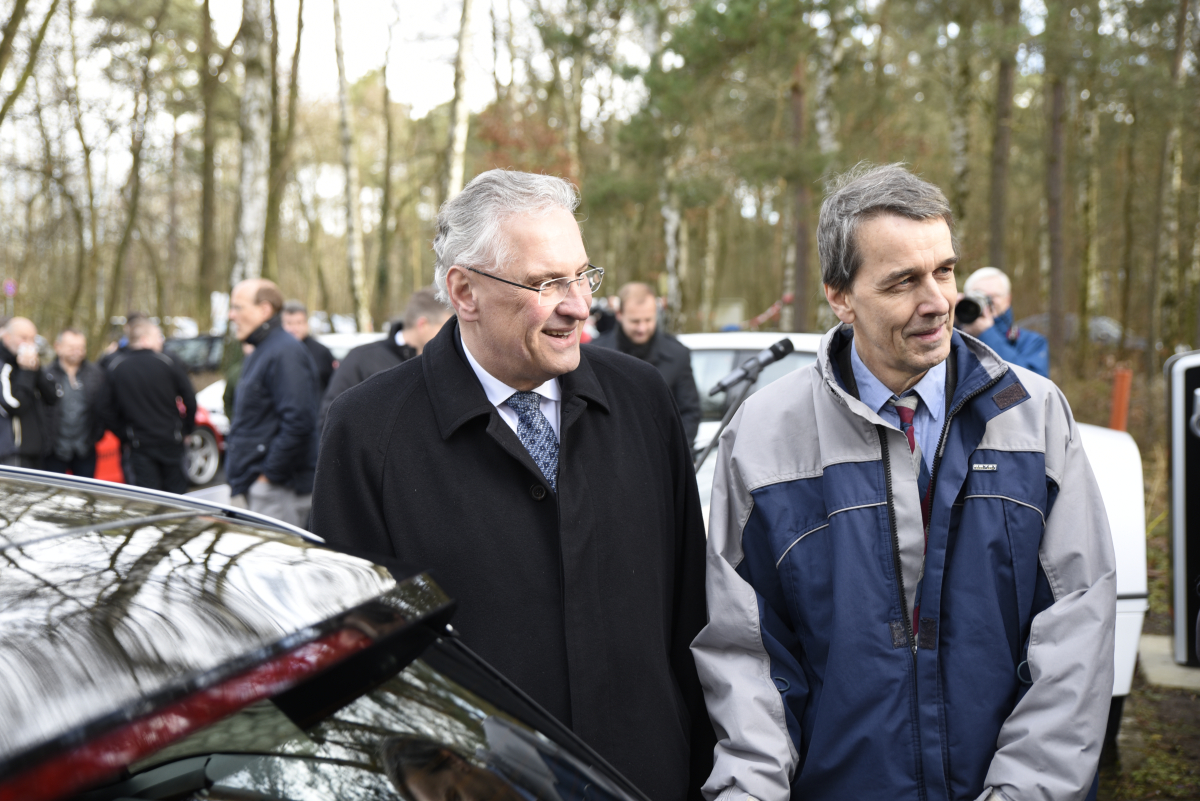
1049	747
754	755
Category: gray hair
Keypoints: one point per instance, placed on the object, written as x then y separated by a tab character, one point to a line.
469	226
861	193
295	307
984	273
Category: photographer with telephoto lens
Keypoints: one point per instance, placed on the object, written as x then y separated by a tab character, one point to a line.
984	310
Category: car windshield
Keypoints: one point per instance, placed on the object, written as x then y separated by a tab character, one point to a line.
710	366
419	736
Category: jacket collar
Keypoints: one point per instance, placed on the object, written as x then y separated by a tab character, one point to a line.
458	396
258	335
972	364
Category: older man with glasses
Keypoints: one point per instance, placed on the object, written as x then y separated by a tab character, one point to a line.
476	461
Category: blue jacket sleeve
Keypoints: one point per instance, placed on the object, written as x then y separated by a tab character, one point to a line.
1030	351
293	390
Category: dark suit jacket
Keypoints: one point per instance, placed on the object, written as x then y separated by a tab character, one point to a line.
674	361
588	600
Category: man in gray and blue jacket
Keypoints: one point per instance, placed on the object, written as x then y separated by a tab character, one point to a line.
911	583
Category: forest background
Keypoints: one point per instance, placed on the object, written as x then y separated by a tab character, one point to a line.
145	163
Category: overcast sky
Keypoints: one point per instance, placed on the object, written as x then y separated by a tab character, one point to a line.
422	65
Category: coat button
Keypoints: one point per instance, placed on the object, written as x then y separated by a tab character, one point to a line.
538	492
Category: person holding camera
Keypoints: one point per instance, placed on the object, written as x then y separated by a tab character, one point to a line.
26	390
985	312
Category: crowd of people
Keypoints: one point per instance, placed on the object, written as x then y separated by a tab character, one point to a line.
907	584
52	418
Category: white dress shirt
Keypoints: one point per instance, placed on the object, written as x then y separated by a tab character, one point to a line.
498	393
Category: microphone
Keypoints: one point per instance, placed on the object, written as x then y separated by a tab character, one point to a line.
753	366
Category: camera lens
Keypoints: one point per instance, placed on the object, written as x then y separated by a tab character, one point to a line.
967	311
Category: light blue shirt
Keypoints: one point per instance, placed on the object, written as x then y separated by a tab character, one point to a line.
931	390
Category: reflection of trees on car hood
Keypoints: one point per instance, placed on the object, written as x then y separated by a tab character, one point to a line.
104	601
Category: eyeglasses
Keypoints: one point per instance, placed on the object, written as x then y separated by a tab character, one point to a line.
552	292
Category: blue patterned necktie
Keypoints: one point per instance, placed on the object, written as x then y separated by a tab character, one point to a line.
535	433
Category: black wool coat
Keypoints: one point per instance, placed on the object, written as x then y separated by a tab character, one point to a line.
588	601
363	362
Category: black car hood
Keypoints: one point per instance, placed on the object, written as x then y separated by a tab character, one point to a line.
107	598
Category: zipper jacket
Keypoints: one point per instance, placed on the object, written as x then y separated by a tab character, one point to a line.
816	681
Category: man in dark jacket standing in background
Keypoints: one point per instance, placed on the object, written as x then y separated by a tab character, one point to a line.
637	334
271	450
295	322
145	387
76	422
423	318
25	392
476	461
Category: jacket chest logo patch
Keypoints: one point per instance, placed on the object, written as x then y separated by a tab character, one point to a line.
1010	395
984	468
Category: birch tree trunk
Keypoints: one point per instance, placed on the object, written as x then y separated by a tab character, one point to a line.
1006	71
825	118
671	218
459	119
1159	241
355	257
380	296
254	119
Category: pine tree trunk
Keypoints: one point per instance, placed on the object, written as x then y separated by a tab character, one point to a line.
282	137
802	282
1002	134
459	118
87	289
208	280
173	206
1159	241
1055	168
141	115
254	120
11	26
1127	219
1090	207
355	256
712	245
573	103
958	54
